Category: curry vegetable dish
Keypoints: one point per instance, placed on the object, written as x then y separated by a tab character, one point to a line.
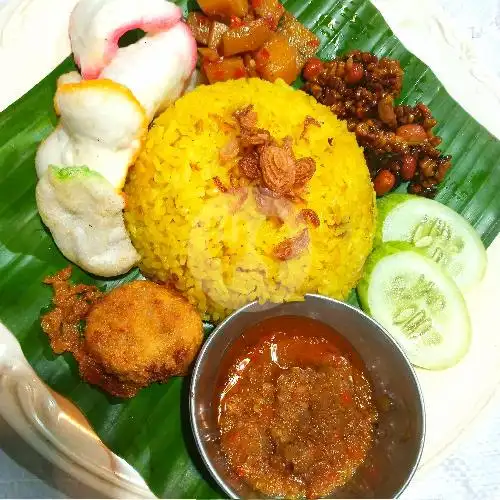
187	154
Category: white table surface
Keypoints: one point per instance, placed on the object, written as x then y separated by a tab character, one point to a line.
471	470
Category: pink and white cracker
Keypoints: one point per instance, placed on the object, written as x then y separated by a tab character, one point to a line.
97	25
157	69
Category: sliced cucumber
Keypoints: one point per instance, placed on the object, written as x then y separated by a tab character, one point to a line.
445	236
418	303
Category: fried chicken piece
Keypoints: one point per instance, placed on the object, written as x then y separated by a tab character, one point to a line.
143	333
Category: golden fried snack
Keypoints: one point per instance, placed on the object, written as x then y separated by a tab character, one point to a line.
143	332
137	334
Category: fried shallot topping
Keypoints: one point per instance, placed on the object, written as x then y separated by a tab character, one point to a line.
309	216
272	205
230	151
308	123
278	178
254	137
278	169
246	117
220	185
249	165
264	159
304	171
292	247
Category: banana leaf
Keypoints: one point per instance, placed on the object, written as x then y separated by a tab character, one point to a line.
152	431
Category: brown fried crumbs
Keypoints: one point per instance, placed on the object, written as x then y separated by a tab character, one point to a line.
64	325
308	123
72	303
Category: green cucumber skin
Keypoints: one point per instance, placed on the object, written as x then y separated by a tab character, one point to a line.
388	203
380	251
64	173
395	247
385	205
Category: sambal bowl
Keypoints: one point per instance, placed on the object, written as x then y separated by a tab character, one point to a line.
398	434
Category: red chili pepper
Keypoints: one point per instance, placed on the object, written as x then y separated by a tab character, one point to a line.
261	58
236	22
264	54
346	397
313	43
239	73
256	3
271	23
219	74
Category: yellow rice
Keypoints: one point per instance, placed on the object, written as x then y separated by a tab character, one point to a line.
184	227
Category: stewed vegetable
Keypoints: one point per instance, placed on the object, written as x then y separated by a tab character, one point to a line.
277	59
224	8
239	39
245	38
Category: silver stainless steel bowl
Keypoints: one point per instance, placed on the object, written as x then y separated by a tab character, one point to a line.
399	436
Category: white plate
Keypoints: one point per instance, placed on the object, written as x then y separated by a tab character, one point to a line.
453	398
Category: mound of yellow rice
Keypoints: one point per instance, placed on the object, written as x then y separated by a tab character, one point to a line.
220	257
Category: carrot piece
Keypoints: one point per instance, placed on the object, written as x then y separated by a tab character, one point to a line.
236	22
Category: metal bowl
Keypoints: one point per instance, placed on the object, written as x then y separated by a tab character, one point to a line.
399	436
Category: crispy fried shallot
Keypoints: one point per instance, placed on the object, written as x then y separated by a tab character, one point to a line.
292	247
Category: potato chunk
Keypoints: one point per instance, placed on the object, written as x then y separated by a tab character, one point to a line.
297	35
277	59
248	37
217	29
270	10
230	68
224	8
200	26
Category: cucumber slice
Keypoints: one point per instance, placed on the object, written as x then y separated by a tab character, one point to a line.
418	303
445	236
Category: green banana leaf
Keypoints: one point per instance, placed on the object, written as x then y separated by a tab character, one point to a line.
152	431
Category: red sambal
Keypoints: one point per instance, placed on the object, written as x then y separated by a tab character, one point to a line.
296	411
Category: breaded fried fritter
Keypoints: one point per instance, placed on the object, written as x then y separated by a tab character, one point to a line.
137	334
143	332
